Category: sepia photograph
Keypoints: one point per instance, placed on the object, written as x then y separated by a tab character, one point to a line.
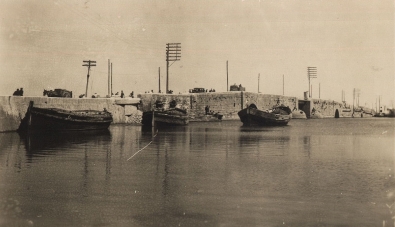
221	113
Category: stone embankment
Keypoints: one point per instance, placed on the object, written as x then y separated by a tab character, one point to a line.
229	103
127	110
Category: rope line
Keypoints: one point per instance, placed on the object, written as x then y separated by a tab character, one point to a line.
144	146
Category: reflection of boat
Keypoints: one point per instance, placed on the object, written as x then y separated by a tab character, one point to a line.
39	141
214	117
208	117
54	119
172	116
278	115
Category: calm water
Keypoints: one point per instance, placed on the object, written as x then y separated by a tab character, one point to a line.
330	172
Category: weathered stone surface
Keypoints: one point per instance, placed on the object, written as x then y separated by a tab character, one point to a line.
13	108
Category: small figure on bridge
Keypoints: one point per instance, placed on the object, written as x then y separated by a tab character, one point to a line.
122	94
16	93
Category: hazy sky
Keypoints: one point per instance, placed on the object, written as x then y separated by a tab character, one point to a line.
43	45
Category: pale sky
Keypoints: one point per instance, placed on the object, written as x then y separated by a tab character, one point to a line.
43	45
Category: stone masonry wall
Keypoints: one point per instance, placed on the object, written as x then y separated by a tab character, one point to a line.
13	109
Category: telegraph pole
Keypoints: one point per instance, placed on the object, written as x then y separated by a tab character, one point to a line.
173	53
89	64
311	73
159	80
108	82
111	79
259	77
227	77
319	90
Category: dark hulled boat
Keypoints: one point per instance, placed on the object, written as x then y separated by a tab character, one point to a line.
277	116
54	119
172	116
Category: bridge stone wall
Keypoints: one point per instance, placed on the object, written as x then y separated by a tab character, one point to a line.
14	108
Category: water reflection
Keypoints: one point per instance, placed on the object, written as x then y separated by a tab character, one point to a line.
48	143
304	174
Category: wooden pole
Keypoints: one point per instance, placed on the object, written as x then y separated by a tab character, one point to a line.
111	79
227	77
108	82
87	82
311	91
309	88
89	64
259	77
159	80
319	90
353	100
167	71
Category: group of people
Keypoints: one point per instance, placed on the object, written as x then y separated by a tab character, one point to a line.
18	92
122	95
117	94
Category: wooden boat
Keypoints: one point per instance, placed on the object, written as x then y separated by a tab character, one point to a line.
278	115
54	119
172	116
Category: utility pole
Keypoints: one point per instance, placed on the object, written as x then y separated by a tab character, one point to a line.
227	77
159	80
353	101
259	76
311	73
89	64
173	53
109	80
319	90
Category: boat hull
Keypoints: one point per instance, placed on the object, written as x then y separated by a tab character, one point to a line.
166	117
63	120
252	116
